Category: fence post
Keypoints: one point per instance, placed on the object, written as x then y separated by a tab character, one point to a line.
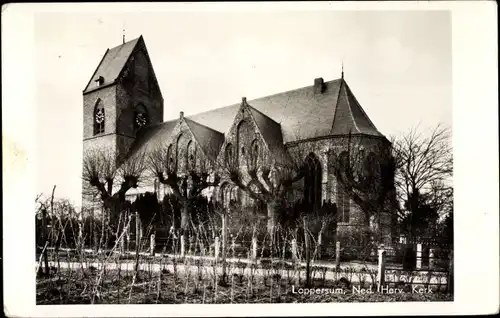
254	249
122	244
419	255
216	248
137	231
337	254
294	251
381	268
431	258
183	246
152	244
127	233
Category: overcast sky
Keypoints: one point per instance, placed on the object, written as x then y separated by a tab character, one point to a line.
397	63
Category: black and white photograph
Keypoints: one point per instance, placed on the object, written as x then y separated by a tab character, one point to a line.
230	154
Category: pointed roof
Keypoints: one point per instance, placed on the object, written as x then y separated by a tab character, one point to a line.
271	132
350	116
209	140
112	64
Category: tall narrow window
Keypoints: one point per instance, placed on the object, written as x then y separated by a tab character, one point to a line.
181	152
255	153
343	204
312	182
343	199
229	155
99	118
243	140
170	158
191	159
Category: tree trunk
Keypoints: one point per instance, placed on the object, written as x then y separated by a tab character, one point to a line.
184	216
308	254
45	240
271	216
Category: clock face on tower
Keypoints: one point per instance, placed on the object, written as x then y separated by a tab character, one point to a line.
140	120
99	116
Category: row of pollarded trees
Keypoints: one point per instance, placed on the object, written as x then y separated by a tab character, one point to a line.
402	178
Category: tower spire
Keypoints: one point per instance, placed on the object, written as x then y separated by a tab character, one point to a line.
123	33
342	69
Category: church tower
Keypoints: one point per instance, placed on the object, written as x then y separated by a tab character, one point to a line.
121	98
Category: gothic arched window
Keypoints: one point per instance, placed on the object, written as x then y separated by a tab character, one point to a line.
170	158
370	164
343	199
191	158
181	151
312	182
243	141
255	153
343	203
229	155
344	161
99	118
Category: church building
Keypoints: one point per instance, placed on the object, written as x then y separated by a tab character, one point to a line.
123	111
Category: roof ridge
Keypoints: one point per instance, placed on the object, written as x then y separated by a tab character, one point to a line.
349	107
292	90
210	110
336	105
258	111
128	42
204	126
262	97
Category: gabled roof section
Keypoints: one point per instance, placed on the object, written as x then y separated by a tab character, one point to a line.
151	137
271	132
350	116
209	139
112	64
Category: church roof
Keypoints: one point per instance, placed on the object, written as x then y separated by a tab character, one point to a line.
208	139
350	116
285	117
290	116
271	132
149	138
112	64
301	113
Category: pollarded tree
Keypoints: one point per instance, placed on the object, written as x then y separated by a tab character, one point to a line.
110	178
186	185
269	180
